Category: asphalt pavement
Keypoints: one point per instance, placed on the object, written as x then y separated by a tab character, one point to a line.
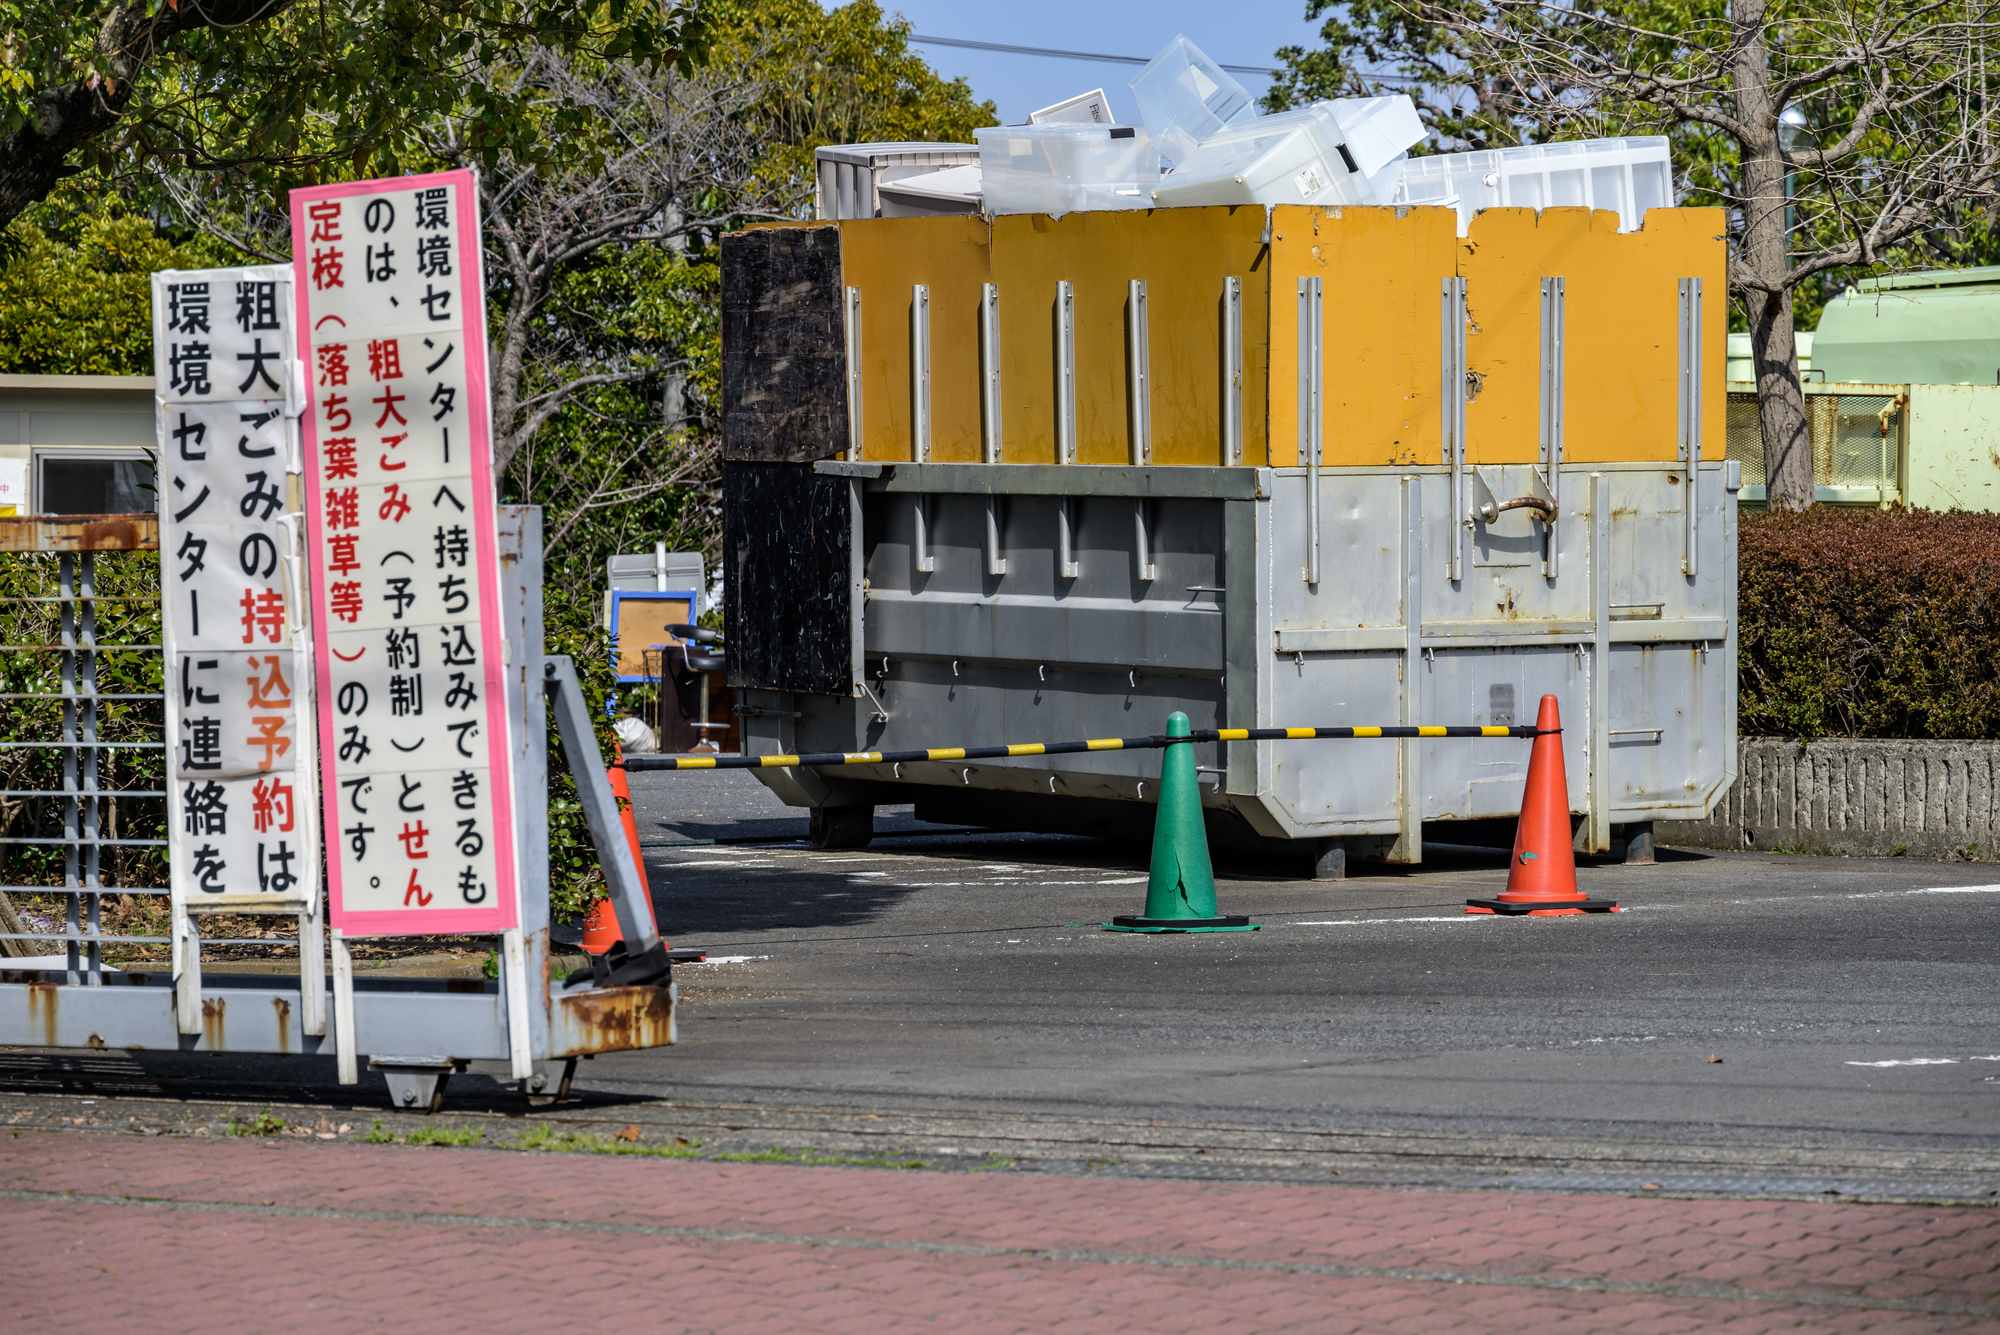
1745	1015
1750	1024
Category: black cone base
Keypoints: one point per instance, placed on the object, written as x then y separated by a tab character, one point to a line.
1512	909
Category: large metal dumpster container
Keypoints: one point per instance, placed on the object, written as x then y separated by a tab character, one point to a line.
1029	478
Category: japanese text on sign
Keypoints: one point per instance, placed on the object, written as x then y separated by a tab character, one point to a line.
239	771
405	577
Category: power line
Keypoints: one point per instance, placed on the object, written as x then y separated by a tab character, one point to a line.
1065	55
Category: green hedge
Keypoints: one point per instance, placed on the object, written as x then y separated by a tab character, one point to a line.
1866	624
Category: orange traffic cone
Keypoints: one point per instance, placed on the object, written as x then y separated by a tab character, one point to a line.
1541	876
600	925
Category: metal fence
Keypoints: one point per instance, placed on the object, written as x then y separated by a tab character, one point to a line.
74	753
92	749
1858	435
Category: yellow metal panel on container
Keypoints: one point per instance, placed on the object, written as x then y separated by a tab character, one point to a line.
1503	263
1380	326
1183	255
1622	324
885	258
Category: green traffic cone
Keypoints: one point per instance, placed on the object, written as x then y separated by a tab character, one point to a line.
1180	894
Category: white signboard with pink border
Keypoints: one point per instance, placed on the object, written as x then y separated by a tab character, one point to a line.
402	552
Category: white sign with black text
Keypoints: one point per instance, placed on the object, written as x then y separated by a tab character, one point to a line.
238	676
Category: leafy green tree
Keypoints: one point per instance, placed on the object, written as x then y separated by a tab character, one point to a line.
76	286
1890	155
1380	48
840	76
602	241
318	87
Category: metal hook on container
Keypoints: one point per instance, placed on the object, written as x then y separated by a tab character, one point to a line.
966	775
954	667
1043	668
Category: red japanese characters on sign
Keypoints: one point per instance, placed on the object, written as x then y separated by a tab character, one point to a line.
402	545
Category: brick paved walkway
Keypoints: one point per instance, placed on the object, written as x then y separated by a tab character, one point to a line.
104	1231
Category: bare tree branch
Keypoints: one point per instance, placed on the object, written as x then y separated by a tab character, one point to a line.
1902	141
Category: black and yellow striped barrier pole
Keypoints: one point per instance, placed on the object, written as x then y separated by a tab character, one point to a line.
1152	743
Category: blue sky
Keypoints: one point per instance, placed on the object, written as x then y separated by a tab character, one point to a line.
1235	34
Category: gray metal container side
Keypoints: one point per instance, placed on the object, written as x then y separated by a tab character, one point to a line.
1225	628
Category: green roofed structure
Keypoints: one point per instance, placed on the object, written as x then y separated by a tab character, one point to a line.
1937	328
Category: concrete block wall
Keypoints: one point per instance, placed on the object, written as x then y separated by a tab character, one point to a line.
1856	797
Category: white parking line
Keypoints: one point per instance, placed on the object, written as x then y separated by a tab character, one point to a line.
720	862
1912	1061
1370	922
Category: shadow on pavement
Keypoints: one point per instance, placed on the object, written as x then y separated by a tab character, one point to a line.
749	895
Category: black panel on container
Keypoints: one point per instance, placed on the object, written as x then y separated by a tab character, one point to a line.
786	548
784	346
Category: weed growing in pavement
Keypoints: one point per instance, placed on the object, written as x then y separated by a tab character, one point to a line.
587	1142
435	1135
801	1157
263	1124
429	1135
551	1141
1899	850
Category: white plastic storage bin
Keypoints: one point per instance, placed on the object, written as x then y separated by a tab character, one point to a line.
851	175
1065	168
1624	176
1091	108
953	190
1379	132
1326	153
1184	97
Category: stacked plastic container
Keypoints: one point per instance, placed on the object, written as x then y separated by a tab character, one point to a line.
1342	152
1204	143
1625	176
1066	168
1185	98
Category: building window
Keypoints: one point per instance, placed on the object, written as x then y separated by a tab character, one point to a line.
93	482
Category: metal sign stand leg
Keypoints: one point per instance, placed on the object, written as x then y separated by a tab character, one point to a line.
312	972
187	973
514	979
645	956
344	1045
